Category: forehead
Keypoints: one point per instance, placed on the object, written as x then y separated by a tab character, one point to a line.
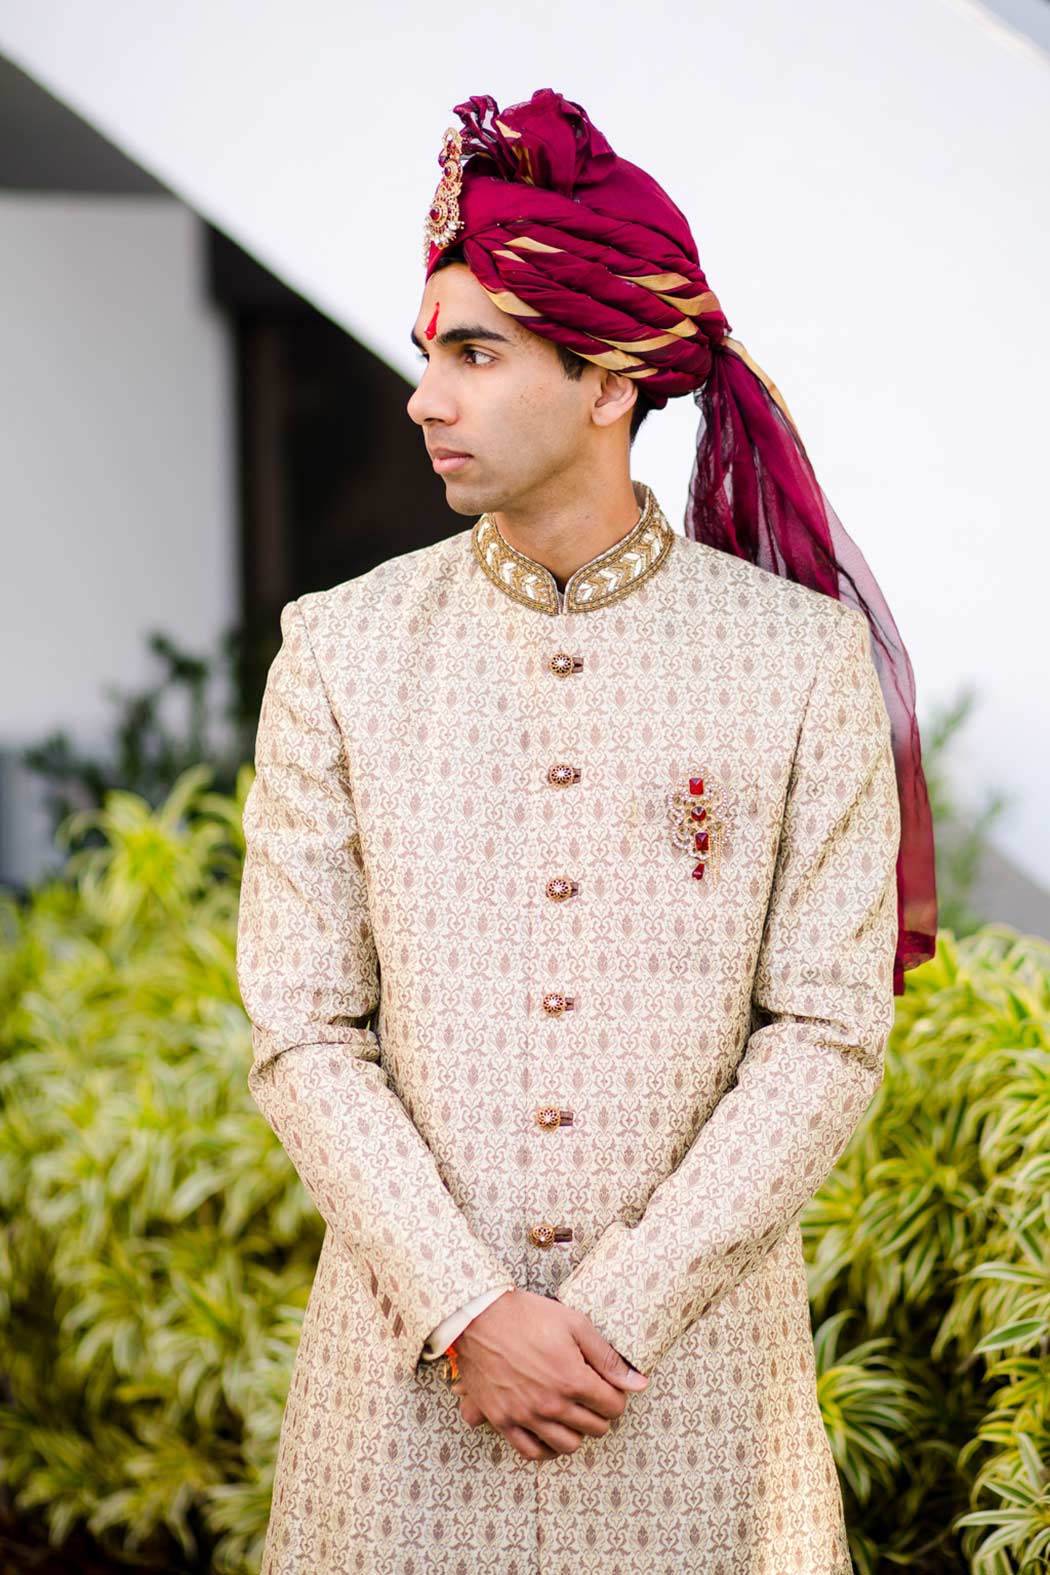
462	298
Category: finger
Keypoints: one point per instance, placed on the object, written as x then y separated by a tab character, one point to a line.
470	1411
563	1440
581	1419
603	1400
589	1389
606	1360
528	1444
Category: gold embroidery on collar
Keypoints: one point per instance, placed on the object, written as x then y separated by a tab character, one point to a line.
607	578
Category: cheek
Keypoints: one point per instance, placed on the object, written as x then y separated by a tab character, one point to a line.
552	410
527	419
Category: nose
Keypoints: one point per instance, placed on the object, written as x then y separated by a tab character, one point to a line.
428	402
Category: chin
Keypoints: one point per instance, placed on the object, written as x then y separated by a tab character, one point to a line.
464	499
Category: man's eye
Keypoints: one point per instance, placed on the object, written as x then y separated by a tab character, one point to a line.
467	350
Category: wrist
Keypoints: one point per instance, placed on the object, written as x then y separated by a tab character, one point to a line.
463	1339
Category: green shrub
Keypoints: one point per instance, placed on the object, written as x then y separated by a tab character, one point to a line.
157	1248
930	1244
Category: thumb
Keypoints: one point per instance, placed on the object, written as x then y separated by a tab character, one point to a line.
606	1359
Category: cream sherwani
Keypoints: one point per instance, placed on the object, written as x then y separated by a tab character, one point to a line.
509	1036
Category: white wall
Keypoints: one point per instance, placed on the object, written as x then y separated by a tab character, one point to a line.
867	188
116	448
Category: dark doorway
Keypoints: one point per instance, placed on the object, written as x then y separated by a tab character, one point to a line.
334	477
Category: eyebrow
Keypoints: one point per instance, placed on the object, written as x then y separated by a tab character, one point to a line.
456	336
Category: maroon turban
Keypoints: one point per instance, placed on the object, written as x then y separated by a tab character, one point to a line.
586	249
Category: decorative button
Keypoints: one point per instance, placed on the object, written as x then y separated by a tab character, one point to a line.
550	1116
563	775
545	1235
560	887
563	663
554	1004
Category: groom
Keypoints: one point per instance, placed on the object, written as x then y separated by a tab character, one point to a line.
616	815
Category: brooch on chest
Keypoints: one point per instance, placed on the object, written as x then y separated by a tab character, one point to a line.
695	813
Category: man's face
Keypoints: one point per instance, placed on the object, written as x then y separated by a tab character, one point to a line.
499	394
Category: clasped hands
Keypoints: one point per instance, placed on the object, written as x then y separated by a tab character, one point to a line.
539	1373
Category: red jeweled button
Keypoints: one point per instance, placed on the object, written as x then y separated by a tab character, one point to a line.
700	841
696	785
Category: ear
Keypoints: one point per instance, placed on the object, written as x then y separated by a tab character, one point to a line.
615	398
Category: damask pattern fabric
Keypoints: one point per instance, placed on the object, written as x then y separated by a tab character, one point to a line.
425	889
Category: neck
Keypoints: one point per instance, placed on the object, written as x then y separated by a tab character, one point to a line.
563	535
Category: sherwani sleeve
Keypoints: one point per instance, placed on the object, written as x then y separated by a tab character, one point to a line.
823	1007
309	980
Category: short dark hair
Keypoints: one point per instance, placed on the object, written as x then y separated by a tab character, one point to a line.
572	364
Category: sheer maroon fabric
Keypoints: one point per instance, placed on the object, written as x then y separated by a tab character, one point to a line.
753	493
586	249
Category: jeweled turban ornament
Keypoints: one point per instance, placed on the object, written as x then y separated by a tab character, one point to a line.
443	222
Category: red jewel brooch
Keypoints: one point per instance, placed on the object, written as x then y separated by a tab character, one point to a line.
698	824
443	222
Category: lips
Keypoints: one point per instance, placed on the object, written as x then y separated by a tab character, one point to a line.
447	460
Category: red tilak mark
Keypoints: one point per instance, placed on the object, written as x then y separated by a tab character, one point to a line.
431	329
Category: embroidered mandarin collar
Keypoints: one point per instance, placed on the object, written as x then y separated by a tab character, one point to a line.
607	578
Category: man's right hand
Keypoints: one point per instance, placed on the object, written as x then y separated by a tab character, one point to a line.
541	1374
